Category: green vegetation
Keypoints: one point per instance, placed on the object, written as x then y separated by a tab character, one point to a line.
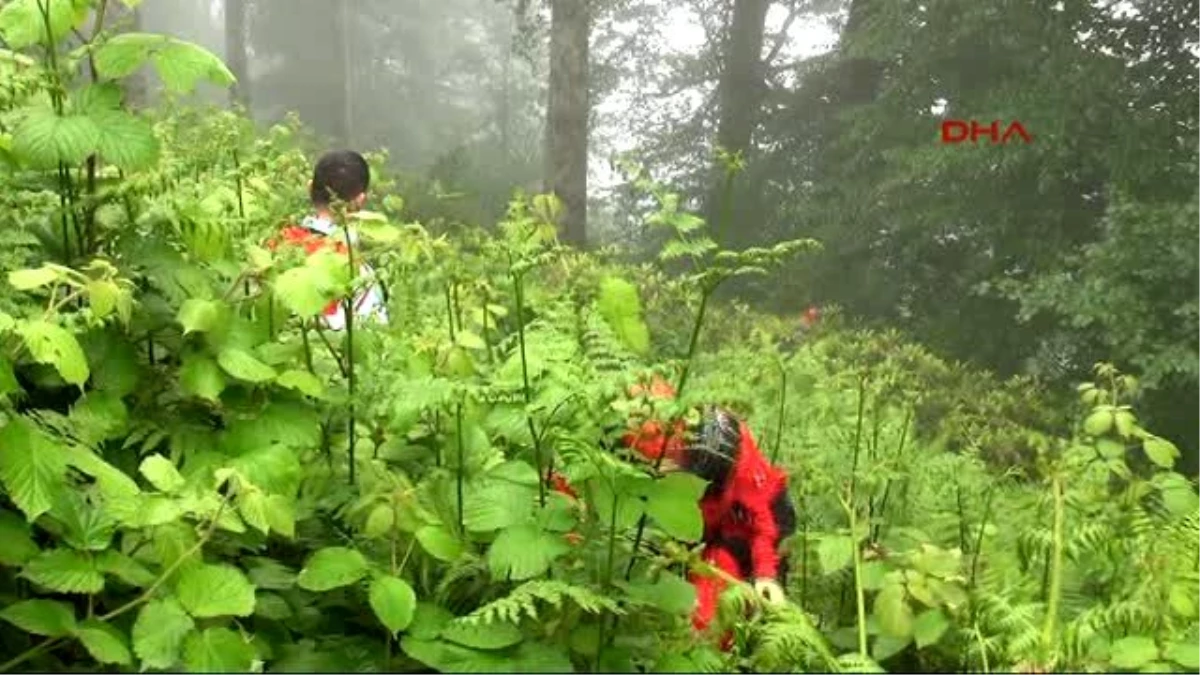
196	476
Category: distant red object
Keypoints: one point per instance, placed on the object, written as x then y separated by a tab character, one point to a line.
810	317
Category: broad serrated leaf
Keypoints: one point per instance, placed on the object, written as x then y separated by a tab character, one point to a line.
65	571
252	505
32	467
1161	451
44	138
41	617
29	279
200	376
393	601
302	381
892	611
22	23
102	296
200	316
217	650
244	366
439	543
54	345
180	65
493	635
929	627
159	631
271	574
332	567
215	590
835	551
18	546
162	474
104	642
1133	652
281	517
674	503
523	551
125	568
125	140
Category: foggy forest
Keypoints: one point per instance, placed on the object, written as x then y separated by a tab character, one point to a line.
614	336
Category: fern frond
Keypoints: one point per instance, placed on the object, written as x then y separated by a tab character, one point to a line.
523	601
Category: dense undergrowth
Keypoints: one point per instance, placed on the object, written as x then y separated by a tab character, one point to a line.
196	476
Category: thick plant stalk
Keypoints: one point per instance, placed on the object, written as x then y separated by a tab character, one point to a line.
1054	597
348	304
459	470
860	602
779	420
518	292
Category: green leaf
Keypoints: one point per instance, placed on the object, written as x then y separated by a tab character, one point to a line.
102	296
32	467
18	545
1133	652
180	65
439	543
1161	451
305	290
1098	423
52	344
217	650
281	516
200	376
494	635
44	138
892	611
393	601
200	316
159	631
104	642
621	309
523	551
162	474
674	503
215	590
302	381
242	365
41	617
252	505
835	551
929	627
66	571
125	568
271	574
125	140
332	567
671	594
29	279
1185	654
496	505
22	23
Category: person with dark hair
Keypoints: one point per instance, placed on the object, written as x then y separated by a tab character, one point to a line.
340	180
746	507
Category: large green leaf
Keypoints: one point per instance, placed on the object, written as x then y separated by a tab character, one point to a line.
217	650
305	290
18	543
244	366
159	631
494	635
619	306
892	611
181	65
523	551
674	503
332	567
104	642
1133	652
835	552
66	571
32	467
929	627
393	601
161	473
22	23
215	590
44	138
200	376
41	617
125	140
52	344
439	543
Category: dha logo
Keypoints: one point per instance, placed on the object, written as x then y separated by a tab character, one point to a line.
958	131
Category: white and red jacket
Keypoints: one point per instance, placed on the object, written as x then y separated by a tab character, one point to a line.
314	234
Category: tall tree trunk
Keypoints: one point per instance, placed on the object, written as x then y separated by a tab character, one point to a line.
342	70
739	92
235	51
567	116
861	76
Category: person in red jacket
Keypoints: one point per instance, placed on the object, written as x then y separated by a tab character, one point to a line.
341	175
746	507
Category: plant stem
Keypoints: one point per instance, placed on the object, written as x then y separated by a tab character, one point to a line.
519	294
458	429
779	420
348	304
859	597
1050	627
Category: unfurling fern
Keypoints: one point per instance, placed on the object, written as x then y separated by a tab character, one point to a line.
788	640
